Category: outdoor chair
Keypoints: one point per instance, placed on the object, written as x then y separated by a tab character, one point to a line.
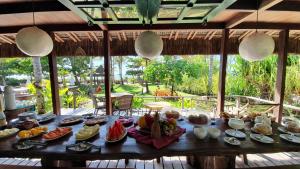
99	104
122	104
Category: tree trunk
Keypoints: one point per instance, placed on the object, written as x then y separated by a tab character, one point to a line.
146	82
210	75
172	90
120	64
38	76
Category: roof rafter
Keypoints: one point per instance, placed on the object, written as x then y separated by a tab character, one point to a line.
244	16
58	37
94	36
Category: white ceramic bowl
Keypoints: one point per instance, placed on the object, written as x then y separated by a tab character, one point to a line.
200	132
214	132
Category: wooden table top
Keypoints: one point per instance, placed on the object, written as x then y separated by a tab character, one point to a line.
187	144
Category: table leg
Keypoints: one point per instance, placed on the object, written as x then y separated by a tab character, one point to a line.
212	162
50	163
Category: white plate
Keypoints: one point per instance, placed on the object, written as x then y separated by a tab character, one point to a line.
234	133
234	142
283	130
290	138
262	138
11	134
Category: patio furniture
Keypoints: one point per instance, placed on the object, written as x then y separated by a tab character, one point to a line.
122	104
99	104
188	145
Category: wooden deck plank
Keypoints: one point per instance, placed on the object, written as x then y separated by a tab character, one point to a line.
94	164
239	163
121	163
17	161
184	163
2	160
32	162
140	164
296	158
158	165
103	164
149	164
176	163
25	162
167	163
38	164
131	164
274	159
112	164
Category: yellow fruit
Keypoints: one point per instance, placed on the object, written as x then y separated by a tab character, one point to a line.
142	122
24	134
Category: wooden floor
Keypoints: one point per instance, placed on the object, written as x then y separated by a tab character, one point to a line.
254	160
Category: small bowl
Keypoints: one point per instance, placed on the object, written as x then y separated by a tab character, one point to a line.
214	132
200	132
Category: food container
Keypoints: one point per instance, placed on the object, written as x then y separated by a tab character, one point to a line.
214	132
27	115
200	132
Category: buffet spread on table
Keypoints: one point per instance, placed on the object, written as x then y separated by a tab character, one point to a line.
151	135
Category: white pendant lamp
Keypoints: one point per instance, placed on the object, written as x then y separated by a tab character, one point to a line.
148	45
34	41
256	46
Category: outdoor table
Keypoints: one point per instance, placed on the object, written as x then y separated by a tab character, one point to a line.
113	95
187	145
156	106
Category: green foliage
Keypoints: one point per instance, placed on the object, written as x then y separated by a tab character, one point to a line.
171	71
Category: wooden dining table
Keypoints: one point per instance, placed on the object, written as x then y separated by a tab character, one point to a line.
186	145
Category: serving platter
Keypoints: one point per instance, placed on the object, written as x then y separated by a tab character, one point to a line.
262	138
285	131
254	131
10	134
127	122
89	137
235	133
70	121
46	118
120	139
290	138
95	120
60	136
232	141
81	147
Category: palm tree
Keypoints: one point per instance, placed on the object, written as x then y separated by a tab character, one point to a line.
210	74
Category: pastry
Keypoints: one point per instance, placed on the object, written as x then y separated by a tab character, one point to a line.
200	119
262	128
293	127
172	114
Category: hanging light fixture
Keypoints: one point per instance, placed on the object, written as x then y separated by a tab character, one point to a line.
148	45
34	41
147	8
256	46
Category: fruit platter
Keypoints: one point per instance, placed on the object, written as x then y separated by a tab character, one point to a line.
57	133
70	120
116	133
167	126
46	118
95	120
27	124
8	132
31	133
87	132
126	121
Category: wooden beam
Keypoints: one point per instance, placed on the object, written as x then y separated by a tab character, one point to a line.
71	37
281	73
189	35
250	33
119	36
212	35
171	34
54	81
241	17
89	36
244	34
196	32
124	36
133	35
176	35
75	36
107	83
5	40
58	38
232	32
94	36
208	34
222	73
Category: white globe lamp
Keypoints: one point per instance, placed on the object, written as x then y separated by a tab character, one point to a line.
148	45
34	41
256	47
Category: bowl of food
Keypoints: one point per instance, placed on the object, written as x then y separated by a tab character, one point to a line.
262	128
214	132
171	113
199	120
200	132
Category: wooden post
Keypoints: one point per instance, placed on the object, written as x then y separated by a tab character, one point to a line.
54	83
222	73
281	72
107	59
